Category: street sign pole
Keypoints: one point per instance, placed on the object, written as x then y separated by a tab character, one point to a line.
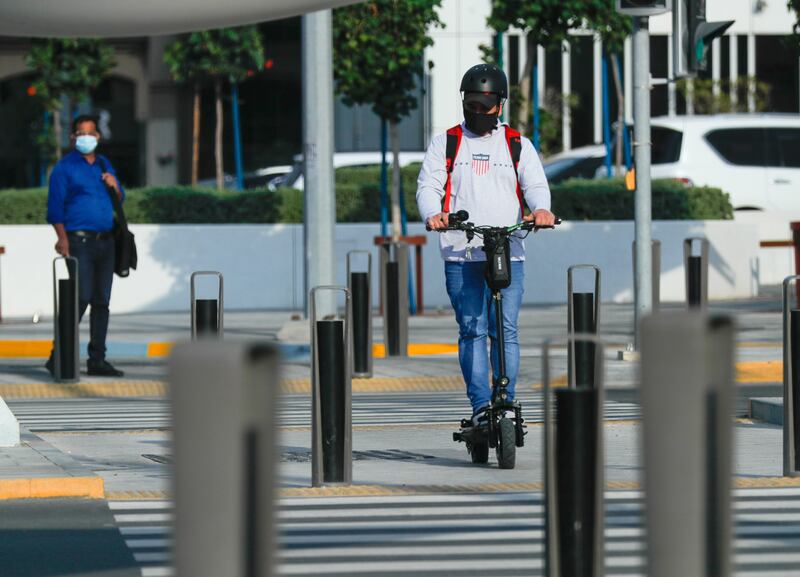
643	291
319	207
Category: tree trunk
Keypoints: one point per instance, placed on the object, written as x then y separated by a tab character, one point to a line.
218	133
620	113
394	140
57	132
196	134
526	97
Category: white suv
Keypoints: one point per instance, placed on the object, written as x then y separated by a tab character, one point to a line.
755	158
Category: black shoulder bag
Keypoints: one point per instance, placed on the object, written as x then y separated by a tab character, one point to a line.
124	243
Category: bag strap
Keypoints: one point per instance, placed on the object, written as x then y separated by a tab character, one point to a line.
514	141
453	144
115	201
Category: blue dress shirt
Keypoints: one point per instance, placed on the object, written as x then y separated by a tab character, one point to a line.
78	198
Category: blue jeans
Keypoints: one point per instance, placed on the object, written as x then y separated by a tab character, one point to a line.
95	275
475	314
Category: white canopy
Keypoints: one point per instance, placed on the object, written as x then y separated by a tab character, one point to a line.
114	18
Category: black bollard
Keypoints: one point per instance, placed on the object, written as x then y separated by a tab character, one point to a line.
576	479
67	342
393	309
694	284
332	381
207	317
359	286
583	323
794	345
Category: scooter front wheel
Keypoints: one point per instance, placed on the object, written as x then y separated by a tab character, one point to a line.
506	444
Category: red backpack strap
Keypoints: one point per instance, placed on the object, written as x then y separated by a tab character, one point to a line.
514	141
453	144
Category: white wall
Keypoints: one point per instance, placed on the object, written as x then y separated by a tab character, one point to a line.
775	264
263	266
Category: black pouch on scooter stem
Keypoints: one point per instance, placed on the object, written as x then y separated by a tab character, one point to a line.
498	262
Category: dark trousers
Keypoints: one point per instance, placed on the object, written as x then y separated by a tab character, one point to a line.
95	275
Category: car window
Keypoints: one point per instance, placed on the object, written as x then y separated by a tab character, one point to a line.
739	146
576	167
554	171
666	145
783	148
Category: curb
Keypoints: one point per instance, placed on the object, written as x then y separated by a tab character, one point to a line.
74	479
52	487
40	349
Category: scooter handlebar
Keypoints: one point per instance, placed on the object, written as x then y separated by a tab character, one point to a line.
457	220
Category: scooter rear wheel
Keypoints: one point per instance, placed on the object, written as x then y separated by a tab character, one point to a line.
479	452
506	445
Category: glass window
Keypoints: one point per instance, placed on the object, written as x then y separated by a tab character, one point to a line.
739	146
666	145
783	147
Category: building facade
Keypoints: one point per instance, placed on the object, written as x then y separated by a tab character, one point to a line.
147	118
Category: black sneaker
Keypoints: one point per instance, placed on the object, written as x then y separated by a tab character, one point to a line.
50	366
103	369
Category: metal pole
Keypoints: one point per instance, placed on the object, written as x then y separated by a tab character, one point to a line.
574	466
237	136
66	338
791	400
207	314
360	286
331	393
224	403
643	290
687	367
696	268
583	317
656	268
319	206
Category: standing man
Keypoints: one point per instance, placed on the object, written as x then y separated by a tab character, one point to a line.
486	168
79	208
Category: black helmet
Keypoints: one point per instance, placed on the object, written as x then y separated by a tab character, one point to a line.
485	78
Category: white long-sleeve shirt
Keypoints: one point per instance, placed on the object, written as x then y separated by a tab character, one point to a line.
484	184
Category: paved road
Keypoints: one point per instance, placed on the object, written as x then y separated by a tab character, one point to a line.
465	535
412	408
62	538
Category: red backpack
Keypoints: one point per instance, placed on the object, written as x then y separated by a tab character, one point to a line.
454	143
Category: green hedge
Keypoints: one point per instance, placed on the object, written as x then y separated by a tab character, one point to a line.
358	200
609	200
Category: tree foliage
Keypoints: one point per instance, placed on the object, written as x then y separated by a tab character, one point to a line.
227	53
69	67
378	53
217	55
794	5
65	67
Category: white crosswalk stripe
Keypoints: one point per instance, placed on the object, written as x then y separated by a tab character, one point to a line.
411	408
467	535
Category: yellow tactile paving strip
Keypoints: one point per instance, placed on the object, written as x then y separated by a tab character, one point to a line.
98	389
747	372
52	487
759	372
408	490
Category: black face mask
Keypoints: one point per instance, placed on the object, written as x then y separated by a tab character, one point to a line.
480	123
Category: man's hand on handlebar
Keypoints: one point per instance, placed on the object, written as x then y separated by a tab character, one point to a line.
438	221
541	218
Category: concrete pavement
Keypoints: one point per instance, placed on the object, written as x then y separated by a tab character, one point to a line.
118	457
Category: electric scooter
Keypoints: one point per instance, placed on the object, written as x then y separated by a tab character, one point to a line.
504	429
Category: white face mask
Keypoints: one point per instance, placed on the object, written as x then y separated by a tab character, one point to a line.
86	143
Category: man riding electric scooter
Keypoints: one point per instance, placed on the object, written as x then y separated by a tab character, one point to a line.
486	169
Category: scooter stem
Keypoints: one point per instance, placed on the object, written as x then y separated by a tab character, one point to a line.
502	381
